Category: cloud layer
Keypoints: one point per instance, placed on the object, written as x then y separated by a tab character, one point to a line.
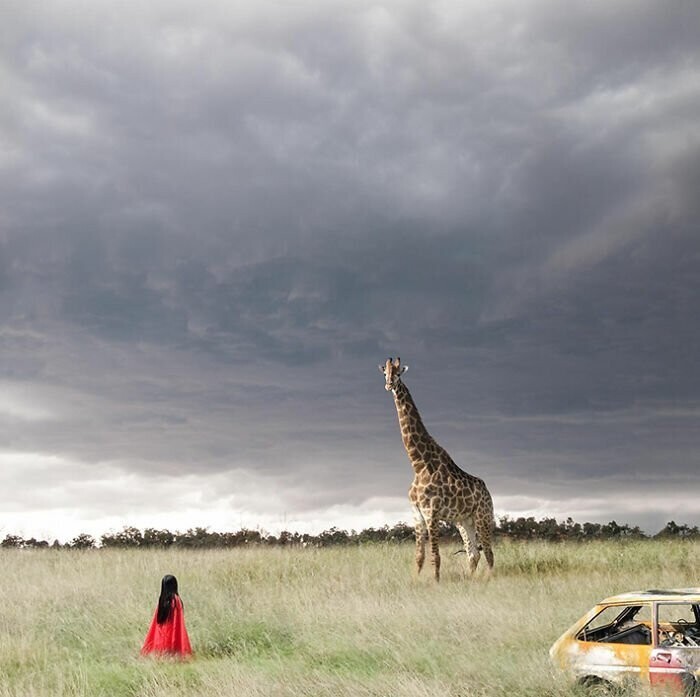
213	225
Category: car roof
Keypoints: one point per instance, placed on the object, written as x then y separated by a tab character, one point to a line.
671	594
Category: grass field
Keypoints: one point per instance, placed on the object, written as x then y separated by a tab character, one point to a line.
339	621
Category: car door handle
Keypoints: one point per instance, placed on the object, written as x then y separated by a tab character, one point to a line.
664	657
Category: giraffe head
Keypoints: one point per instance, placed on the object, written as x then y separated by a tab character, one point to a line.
393	370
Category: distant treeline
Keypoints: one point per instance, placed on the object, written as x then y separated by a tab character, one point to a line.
547	529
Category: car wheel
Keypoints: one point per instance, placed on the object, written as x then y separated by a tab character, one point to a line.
593	686
690	685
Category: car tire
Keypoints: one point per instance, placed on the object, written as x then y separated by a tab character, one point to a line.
690	685
593	686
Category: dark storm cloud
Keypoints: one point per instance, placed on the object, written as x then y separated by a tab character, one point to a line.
214	223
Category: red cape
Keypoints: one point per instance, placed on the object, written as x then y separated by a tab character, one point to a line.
169	637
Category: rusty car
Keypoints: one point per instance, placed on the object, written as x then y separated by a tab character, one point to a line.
652	637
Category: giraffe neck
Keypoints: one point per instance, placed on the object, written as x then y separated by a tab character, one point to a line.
413	433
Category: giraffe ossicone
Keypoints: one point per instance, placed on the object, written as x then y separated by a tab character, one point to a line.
440	491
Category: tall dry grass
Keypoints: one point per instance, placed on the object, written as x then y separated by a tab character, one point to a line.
345	621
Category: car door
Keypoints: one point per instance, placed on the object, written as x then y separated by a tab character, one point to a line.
667	669
616	644
675	657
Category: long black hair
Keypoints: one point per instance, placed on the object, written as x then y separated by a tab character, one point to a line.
168	590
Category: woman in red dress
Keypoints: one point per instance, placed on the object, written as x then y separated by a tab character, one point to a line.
167	633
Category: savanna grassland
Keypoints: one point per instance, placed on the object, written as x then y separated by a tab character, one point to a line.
289	621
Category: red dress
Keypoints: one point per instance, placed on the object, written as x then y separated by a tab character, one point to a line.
169	637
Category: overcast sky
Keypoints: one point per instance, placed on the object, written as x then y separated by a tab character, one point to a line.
217	218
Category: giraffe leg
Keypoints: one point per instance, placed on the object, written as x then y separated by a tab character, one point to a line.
421	532
484	531
468	535
434	539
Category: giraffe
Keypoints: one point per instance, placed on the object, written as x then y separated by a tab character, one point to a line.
440	489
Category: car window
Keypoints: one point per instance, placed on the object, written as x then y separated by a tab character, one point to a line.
604	618
678	625
620	624
676	613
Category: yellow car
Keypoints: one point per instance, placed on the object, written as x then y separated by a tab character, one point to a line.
649	636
